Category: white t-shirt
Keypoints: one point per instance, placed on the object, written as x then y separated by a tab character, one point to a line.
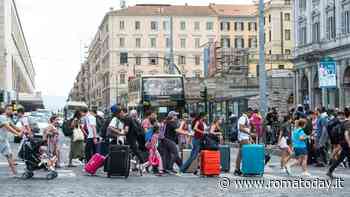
116	123
22	122
3	132
243	120
90	121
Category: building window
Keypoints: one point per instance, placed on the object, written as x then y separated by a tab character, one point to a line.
197	75
182	60
287	34
137	25
197	43
242	26
250	42
197	60
197	26
183	43
250	26
287	2
255	26
330	27
225	26
121	42
346	22
121	25
153	60
122	78
225	42
183	25
166	25
302	4
154	26
280	66
210	26
270	35
316	31
270	18
138	42
287	52
302	35
123	58
286	16
239	43
138	60
153	42
138	74
167	42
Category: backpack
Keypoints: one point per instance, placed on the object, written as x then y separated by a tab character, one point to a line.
308	127
336	132
66	128
104	128
99	124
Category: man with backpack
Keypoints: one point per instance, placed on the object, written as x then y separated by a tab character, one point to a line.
322	122
344	141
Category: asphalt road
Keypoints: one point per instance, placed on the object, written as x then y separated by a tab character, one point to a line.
73	182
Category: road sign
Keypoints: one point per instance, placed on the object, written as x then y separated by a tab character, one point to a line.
327	73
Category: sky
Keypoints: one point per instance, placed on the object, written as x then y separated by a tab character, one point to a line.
57	31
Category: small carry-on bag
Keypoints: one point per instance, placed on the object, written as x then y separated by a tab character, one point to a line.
225	157
118	161
186	153
210	163
94	164
253	159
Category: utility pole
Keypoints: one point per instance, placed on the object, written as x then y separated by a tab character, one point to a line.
262	69
171	39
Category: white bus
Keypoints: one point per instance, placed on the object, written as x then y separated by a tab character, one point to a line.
162	93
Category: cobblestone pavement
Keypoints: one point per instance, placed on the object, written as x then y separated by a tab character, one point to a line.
74	182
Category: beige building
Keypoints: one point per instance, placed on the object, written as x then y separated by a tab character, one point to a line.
136	40
279	37
17	72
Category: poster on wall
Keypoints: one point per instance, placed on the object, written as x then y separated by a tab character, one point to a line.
327	73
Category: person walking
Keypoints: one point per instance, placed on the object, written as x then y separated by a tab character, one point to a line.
344	142
257	121
89	127
5	148
183	132
322	122
299	145
198	128
284	141
23	122
51	136
77	140
168	140
244	135
215	131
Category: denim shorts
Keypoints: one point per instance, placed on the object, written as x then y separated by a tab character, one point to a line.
5	149
300	152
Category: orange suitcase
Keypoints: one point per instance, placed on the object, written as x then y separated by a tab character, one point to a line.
210	163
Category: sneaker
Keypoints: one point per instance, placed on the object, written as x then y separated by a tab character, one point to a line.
306	174
237	173
330	175
288	170
179	174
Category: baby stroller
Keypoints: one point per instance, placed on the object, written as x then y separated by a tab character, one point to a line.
37	155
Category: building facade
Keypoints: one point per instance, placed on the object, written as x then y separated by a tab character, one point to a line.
17	74
322	29
136	40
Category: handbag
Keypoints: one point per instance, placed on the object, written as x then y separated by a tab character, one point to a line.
78	135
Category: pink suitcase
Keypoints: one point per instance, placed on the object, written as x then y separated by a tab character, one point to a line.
96	161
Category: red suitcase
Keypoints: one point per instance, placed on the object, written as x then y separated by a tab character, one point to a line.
210	163
96	161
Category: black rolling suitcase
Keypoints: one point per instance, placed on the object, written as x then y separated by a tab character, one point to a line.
118	161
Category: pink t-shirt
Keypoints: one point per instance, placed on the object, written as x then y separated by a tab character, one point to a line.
146	123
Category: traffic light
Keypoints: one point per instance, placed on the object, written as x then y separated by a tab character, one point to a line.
2	96
204	95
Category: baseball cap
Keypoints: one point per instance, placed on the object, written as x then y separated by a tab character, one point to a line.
115	109
172	114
